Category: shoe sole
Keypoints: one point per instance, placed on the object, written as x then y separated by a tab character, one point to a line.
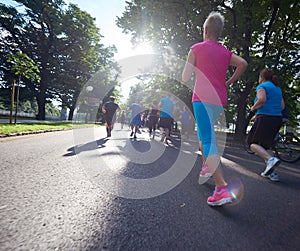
220	202
203	179
268	177
207	175
268	172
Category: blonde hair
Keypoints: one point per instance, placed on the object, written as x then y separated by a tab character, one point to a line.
214	24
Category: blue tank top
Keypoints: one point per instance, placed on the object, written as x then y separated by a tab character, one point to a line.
166	108
272	106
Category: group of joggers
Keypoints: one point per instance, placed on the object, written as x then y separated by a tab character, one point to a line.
209	61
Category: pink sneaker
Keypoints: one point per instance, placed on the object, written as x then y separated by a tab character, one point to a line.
220	197
205	172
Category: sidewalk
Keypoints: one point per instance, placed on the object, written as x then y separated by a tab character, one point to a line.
6	121
30	121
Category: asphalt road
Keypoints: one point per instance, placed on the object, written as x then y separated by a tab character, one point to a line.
77	190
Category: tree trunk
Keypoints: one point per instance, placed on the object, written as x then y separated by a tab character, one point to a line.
241	126
71	113
41	101
240	130
242	117
45	80
41	97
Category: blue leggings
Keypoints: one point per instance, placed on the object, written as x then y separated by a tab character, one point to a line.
206	115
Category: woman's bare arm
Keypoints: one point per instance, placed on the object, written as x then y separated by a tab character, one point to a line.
240	64
189	67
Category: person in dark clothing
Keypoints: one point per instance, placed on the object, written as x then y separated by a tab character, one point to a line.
122	119
109	109
135	119
152	119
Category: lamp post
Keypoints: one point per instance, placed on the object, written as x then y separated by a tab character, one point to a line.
12	102
17	104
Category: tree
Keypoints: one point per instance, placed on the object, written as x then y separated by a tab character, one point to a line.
63	42
22	66
265	33
79	56
34	32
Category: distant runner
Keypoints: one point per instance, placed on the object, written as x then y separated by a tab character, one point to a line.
109	109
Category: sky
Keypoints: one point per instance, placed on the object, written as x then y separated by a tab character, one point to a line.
105	13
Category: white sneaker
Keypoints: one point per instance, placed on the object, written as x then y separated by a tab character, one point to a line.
272	176
271	164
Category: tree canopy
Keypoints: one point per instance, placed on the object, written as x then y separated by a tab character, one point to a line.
62	41
264	32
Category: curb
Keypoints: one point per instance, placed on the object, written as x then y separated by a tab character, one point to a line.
32	132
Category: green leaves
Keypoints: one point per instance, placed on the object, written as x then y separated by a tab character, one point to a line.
264	32
55	48
24	66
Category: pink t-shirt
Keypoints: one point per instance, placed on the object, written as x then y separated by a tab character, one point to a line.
211	60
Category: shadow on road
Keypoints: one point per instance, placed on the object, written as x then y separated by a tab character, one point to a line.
86	147
289	172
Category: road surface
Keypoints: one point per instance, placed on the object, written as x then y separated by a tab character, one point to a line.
77	190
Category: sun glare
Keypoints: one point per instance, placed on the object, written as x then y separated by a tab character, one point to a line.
143	48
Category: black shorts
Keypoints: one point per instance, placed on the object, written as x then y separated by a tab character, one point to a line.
166	123
110	119
264	130
152	121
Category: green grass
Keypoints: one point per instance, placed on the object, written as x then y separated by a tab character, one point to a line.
12	129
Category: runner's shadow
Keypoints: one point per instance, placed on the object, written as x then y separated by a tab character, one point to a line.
287	182
86	147
140	145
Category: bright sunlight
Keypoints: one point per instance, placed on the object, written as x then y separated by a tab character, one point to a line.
143	48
